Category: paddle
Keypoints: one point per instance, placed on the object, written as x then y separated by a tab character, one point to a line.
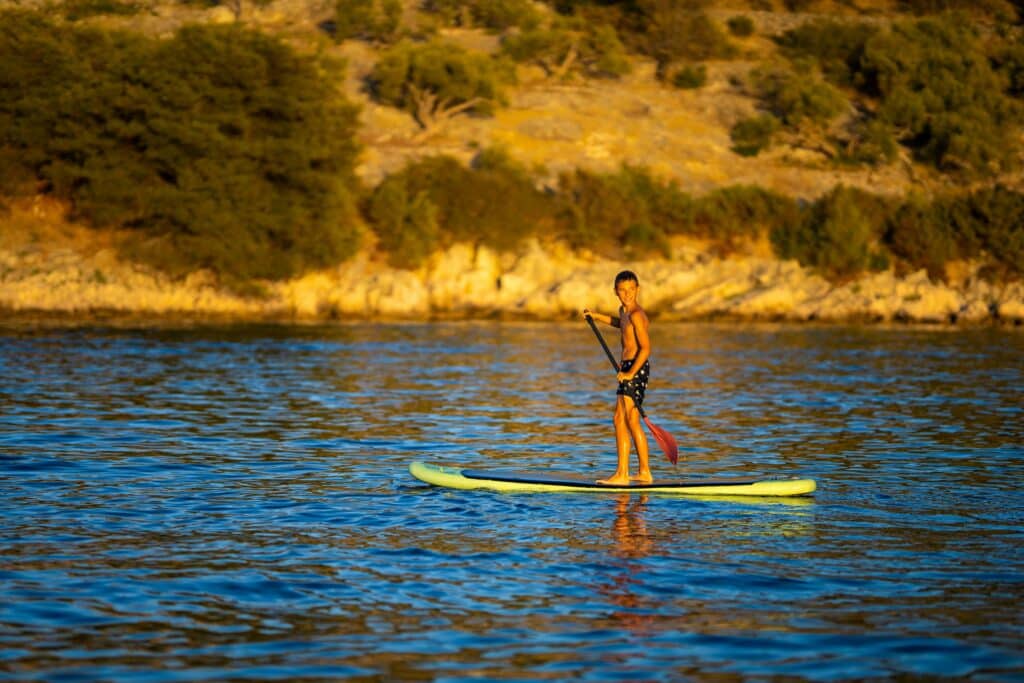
664	439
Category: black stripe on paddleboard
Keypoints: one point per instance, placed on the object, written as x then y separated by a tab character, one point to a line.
567	479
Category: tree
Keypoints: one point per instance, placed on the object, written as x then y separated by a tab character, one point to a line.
569	46
222	145
799	99
375	20
671	31
496	15
437	81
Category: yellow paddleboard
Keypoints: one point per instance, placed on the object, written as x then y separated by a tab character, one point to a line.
560	482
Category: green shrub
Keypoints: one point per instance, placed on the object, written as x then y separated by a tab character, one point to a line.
938	87
837	235
493	203
873	143
602	209
798	96
437	80
74	10
1001	10
836	47
496	15
406	226
753	135
375	20
922	235
690	77
990	223
662	203
569	46
736	213
644	240
741	26
671	32
221	145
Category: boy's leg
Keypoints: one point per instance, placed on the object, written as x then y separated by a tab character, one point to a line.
636	430
622	445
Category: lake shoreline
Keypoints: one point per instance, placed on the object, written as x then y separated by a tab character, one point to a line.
539	283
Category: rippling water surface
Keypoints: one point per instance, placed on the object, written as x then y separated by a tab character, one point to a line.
232	502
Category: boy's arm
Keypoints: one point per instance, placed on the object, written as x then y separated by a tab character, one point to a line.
601	317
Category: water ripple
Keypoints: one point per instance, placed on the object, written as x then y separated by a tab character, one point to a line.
207	503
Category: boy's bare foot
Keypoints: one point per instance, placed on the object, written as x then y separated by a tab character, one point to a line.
616	479
643	478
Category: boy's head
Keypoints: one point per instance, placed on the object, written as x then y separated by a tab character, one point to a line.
626	287
626	276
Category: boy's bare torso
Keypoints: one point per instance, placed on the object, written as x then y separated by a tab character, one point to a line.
630	349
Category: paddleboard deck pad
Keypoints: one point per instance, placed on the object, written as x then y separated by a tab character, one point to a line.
511	480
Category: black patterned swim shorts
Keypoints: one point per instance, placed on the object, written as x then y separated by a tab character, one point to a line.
636	387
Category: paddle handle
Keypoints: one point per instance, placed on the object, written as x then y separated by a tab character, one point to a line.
604	344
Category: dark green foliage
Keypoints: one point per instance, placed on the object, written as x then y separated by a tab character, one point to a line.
922	234
874	144
690	76
987	224
75	10
740	26
836	46
375	20
406	226
632	211
754	134
741	212
497	15
932	83
223	145
436	80
629	212
1010	63
644	240
990	223
672	31
798	96
569	46
938	88
437	201
995	9
838	234
602	208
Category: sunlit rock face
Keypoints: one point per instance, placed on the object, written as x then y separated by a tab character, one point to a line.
542	282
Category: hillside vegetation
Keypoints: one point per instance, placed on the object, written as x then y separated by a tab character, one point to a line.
241	149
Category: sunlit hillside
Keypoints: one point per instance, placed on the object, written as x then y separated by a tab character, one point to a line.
257	141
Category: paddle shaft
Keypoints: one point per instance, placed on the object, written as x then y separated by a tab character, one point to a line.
604	344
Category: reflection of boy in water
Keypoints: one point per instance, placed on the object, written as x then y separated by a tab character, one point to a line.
634	372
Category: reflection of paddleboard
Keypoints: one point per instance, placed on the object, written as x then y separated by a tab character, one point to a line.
510	480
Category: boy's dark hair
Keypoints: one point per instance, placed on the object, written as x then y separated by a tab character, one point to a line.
626	276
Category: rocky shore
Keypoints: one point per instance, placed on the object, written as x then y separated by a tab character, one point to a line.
538	282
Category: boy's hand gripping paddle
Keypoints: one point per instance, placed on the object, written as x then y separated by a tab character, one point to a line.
664	439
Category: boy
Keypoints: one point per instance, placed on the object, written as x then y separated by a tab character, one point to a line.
634	373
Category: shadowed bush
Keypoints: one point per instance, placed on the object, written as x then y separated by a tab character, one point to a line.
941	86
441	202
839	234
923	235
222	146
753	135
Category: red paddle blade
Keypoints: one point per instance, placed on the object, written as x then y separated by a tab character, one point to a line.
665	440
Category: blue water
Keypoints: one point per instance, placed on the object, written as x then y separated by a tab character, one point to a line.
200	502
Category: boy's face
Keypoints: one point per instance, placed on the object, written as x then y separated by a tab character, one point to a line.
627	291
